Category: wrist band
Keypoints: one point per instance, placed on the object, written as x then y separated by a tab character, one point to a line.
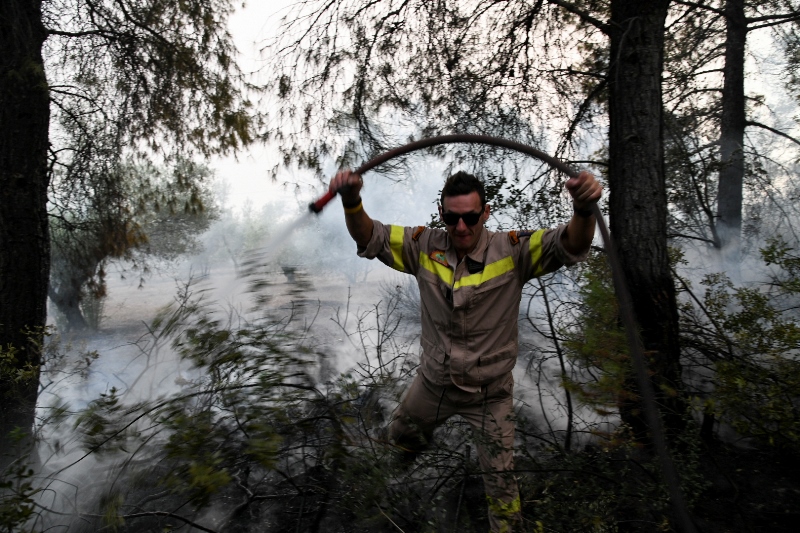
355	209
352	203
583	213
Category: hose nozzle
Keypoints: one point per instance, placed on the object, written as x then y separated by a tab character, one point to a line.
317	206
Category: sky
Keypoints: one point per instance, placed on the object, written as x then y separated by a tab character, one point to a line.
247	174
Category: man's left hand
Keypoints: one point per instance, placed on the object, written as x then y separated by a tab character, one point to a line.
585	190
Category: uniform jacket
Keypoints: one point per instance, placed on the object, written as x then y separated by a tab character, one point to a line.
469	309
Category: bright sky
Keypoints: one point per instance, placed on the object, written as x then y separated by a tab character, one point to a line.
247	176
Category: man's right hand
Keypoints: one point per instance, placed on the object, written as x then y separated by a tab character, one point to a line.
348	185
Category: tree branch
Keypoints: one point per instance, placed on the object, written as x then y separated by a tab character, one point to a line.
170	515
582	109
771	20
582	14
594	162
784	17
690	237
773	130
794	17
570	70
700	5
87	33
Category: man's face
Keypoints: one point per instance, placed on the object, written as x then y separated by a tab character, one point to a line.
464	236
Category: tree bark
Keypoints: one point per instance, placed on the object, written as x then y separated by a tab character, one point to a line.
732	124
24	238
637	195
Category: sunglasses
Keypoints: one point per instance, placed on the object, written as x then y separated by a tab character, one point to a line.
470	219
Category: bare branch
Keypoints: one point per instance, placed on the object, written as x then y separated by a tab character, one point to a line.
701	5
691	237
775	23
773	130
170	515
582	14
87	33
773	19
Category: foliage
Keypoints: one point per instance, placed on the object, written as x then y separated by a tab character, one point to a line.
394	71
608	486
19	379
599	346
17	490
140	76
741	345
751	335
249	423
128	79
146	72
262	429
105	210
17	373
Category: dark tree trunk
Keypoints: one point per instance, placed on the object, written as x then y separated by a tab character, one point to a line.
24	239
637	195
732	124
68	301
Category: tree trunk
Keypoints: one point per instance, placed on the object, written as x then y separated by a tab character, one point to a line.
68	301
732	124
637	195
24	238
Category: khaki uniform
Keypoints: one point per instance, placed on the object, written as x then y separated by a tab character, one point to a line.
469	339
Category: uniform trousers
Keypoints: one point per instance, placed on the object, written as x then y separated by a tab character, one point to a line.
490	413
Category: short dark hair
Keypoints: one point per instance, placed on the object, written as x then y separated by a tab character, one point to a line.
463	183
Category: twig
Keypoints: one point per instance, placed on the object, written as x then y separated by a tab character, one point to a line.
392	521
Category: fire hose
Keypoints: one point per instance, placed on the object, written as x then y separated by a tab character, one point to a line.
677	502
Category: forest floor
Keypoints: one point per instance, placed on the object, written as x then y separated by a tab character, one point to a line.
751	490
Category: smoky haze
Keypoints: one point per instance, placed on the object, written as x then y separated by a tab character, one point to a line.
267	259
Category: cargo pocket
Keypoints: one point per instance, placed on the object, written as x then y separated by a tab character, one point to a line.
495	364
432	361
501	388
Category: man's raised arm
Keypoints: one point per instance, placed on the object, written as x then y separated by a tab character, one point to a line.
359	224
585	191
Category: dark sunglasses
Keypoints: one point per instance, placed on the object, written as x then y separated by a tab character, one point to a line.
470	219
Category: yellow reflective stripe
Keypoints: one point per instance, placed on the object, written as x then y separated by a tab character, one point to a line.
444	273
492	270
396	245
535	247
506	513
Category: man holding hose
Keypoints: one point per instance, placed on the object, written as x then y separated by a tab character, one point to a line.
470	281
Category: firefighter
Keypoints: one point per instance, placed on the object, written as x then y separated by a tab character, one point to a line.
470	281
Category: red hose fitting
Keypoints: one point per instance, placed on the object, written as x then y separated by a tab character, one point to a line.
317	206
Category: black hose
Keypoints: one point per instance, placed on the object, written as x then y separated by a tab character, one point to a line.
679	508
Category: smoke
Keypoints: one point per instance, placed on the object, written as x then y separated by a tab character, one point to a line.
269	262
